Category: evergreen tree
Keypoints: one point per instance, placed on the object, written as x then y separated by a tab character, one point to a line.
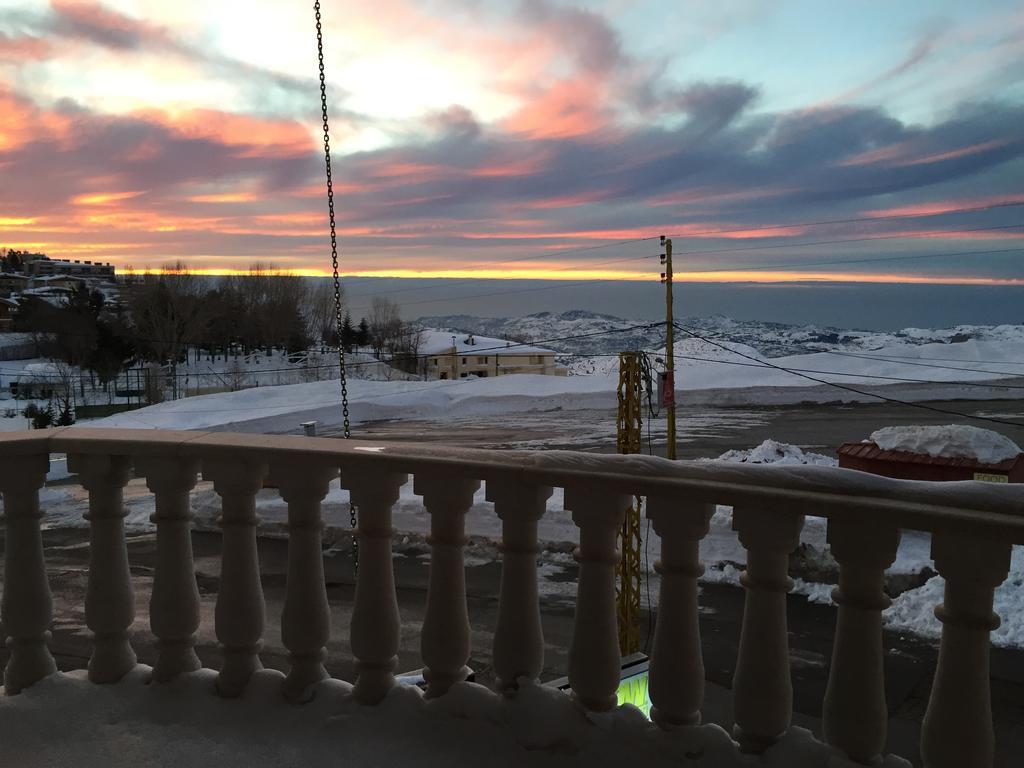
348	333
363	333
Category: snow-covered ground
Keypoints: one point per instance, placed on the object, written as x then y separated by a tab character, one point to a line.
738	382
65	720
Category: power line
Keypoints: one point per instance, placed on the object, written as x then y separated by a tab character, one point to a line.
897	358
887	399
850	375
918	364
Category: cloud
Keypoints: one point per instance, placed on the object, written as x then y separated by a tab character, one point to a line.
597	144
88	22
17	49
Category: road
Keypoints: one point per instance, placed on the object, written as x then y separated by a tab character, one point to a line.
704	431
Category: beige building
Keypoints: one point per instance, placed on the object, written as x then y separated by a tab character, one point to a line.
461	355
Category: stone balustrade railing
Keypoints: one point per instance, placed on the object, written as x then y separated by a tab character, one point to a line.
973	526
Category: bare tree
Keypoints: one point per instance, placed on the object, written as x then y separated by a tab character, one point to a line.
385	325
168	311
320	311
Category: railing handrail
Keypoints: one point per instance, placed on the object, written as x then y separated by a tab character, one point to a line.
982	509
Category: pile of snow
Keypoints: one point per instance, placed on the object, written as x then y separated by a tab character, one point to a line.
65	720
914	610
953	441
773	452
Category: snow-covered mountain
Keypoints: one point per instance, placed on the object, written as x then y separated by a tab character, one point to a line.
768	339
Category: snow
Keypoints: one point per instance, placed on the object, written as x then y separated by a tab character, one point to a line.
957	441
773	452
914	610
438	342
184	723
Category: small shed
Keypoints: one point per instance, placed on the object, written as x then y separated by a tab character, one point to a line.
923	464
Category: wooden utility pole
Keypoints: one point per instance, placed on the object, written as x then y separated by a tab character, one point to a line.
670	354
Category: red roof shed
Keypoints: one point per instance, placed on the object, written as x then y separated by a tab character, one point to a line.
868	457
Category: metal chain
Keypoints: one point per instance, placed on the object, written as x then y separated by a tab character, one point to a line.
339	321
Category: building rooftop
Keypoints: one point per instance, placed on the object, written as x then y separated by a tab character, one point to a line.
440	342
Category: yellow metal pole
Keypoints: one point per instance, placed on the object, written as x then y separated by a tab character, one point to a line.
670	354
628	440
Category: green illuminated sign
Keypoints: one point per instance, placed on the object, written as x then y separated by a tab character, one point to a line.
633	690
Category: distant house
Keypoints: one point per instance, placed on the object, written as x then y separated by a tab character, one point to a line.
12	282
8	307
461	355
55	281
40	265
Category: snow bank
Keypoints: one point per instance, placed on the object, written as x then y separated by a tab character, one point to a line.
953	441
65	720
914	610
773	452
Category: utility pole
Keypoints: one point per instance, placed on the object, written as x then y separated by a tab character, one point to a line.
670	355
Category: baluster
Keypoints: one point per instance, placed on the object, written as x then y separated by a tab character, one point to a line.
240	614
518	639
306	617
957	729
174	604
594	662
444	641
27	607
676	680
854	713
109	599
375	620
762	688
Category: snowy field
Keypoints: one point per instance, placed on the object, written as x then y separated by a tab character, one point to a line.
736	382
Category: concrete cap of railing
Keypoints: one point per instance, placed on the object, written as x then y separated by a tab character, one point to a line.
982	509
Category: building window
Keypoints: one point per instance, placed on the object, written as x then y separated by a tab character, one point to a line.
464	360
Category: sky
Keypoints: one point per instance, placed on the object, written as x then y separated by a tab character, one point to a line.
772	140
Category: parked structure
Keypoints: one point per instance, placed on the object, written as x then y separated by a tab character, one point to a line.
460	355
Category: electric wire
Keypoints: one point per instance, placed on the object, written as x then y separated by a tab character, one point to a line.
895	401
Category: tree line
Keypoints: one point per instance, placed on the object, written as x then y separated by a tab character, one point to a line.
163	318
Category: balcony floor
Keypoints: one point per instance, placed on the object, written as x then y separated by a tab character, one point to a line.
65	720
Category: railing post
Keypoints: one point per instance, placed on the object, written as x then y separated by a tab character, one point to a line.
854	713
174	605
110	599
375	620
676	680
240	613
27	605
518	638
306	617
957	730
594	660
762	688
445	642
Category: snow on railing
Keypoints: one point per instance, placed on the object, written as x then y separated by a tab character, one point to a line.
973	526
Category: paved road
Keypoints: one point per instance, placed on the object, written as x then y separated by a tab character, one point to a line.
703	430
